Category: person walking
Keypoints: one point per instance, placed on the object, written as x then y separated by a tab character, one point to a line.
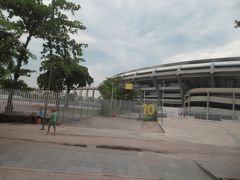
52	121
40	116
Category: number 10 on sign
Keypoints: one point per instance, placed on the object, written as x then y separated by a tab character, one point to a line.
148	109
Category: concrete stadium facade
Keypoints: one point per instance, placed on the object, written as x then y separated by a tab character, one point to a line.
208	86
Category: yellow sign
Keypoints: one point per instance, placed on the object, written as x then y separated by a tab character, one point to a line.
148	109
128	86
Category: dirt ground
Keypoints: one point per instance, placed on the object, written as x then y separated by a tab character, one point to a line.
114	123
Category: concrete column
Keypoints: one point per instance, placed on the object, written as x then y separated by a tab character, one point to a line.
80	93
184	106
93	94
207	112
212	79
189	99
237	80
233	105
156	85
181	90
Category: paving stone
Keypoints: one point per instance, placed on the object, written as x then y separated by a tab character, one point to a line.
181	176
111	162
71	169
83	169
97	171
134	173
109	171
121	171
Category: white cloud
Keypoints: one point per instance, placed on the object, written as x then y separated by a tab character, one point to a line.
125	35
83	37
229	50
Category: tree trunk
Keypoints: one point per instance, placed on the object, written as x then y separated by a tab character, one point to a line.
65	106
57	100
66	99
57	104
9	107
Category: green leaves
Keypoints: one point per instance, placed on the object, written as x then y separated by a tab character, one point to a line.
62	53
10	84
237	24
66	74
50	22
115	85
27	15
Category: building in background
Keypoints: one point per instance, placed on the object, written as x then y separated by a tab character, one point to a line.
208	87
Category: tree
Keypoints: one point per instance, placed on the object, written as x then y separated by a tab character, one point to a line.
6	53
54	67
10	48
63	54
77	76
66	75
33	18
114	86
237	24
107	87
23	19
61	74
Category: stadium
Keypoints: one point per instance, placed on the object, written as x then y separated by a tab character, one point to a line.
206	89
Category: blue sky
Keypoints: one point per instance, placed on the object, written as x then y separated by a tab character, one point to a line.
129	34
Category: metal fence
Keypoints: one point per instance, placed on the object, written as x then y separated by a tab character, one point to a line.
211	116
70	107
122	108
73	107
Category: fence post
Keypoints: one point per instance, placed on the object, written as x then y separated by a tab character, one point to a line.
81	111
74	106
45	111
64	106
87	107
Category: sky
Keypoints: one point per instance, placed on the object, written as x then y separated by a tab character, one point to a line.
130	34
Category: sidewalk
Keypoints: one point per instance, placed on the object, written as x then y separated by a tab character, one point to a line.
221	133
213	146
101	162
27	174
221	169
78	136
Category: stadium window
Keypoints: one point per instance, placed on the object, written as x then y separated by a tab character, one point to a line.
198	104
221	95
237	107
220	105
199	94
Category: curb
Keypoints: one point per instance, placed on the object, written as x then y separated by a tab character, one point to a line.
159	123
211	175
74	173
98	146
